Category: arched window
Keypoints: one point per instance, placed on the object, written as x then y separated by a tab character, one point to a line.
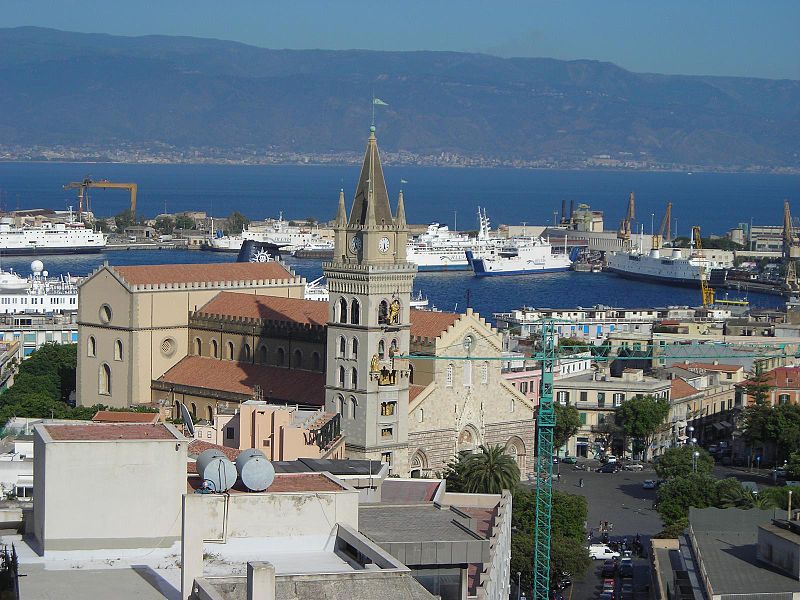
281	357
297	360
315	361
214	349
198	346
353	405
342	310
117	349
247	352
387	408
194	410
354	348
393	348
513	404
91	346
353	378
485	373
381	350
420	415
264	354
341	377
448	377
342	347
341	405
410	373
383	313
104	384
210	415
230	350
355	309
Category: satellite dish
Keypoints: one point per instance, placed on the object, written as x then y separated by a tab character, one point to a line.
187	419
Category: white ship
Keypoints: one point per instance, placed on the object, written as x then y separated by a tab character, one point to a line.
317	290
280	233
665	264
38	293
440	249
521	256
49	238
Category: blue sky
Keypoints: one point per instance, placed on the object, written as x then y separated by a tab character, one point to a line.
725	37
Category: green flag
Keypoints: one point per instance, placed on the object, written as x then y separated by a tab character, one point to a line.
379	102
403	181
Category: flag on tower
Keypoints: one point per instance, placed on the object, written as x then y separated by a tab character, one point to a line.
403	181
379	102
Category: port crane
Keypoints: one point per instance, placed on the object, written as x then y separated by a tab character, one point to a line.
624	231
791	250
103	184
660	237
706	291
546	418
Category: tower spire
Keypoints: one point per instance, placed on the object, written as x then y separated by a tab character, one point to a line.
341	215
400	218
371	195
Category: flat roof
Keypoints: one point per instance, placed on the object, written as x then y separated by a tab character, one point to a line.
204	273
413	523
284	482
125	416
405	490
87	431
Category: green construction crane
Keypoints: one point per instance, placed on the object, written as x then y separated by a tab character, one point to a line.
546	417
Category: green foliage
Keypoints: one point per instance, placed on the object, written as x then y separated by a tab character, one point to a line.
571	346
793	467
778	425
757	385
641	418
567	549
164	224
709	243
678	462
236	223
490	471
455	473
568	421
739	497
779	496
125	219
184	222
43	385
675	496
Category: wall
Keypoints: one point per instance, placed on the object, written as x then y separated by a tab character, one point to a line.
107	494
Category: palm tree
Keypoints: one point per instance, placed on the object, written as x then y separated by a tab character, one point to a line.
741	497
490	471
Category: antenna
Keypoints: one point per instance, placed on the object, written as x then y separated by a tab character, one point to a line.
187	419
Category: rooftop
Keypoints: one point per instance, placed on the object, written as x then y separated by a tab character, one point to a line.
785	378
431	324
119	416
267	308
681	389
202	273
85	431
716	367
284	482
395	491
410	523
277	383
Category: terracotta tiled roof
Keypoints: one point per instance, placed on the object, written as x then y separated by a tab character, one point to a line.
109	432
277	383
484	519
269	308
785	378
197	447
431	324
713	367
681	389
118	416
285	482
161	274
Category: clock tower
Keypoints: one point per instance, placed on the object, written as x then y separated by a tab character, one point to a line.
370	283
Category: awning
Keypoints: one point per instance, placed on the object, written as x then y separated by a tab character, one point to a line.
717	426
725	424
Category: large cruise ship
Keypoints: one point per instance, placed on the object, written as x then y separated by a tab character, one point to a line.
522	256
439	249
280	233
49	238
38	293
665	264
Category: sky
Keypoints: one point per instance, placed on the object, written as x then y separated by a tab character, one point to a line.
698	37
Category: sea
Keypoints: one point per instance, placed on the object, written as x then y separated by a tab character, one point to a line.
716	202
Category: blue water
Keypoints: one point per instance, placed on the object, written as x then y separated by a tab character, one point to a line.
717	202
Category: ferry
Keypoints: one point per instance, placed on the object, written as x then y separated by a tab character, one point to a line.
439	249
279	233
38	293
49	238
523	256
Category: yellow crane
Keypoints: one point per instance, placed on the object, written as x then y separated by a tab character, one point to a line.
791	249
705	290
660	238
103	184
624	231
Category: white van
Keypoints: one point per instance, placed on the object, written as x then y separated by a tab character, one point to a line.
601	551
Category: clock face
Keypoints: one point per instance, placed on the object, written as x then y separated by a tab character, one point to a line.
383	244
355	244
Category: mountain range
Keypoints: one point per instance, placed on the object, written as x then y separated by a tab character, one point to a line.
71	89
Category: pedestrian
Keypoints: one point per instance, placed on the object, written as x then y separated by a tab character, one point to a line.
558	477
580	482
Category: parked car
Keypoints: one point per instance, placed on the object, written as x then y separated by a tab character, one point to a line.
609	568
626	593
780	472
598	551
606	596
608	468
626	568
649	484
570	460
633	467
609	585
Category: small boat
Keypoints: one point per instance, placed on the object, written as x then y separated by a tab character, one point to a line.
11	282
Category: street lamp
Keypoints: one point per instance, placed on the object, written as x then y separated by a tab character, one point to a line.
519	588
695	456
690	439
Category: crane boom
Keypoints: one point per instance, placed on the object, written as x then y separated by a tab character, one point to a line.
660	238
103	184
791	249
624	232
706	292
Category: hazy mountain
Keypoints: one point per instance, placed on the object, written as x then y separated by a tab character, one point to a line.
69	88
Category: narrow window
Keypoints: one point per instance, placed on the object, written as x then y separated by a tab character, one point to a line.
354	378
420	415
230	350
105	380
485	373
354	312
315	360
381	350
342	310
281	357
198	347
353	405
298	359
341	377
214	349
264	354
210	415
448	378
118	350
341	405
354	348
247	352
194	410
342	347
467	373
91	346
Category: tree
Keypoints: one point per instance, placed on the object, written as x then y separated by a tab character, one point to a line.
680	462
755	424
793	468
184	222
758	385
783	428
164	224
568	421
675	496
490	471
641	418
236	223
571	346
739	497
455	473
125	219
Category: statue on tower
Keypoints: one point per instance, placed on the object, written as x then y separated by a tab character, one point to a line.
394	312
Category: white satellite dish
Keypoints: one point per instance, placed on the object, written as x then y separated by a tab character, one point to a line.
187	419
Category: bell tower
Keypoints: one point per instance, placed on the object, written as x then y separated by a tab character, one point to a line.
370	283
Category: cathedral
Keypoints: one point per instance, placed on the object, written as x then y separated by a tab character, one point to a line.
410	387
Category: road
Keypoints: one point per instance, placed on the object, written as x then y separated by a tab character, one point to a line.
619	499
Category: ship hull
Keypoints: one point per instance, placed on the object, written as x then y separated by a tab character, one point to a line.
444	267
479	272
45	251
